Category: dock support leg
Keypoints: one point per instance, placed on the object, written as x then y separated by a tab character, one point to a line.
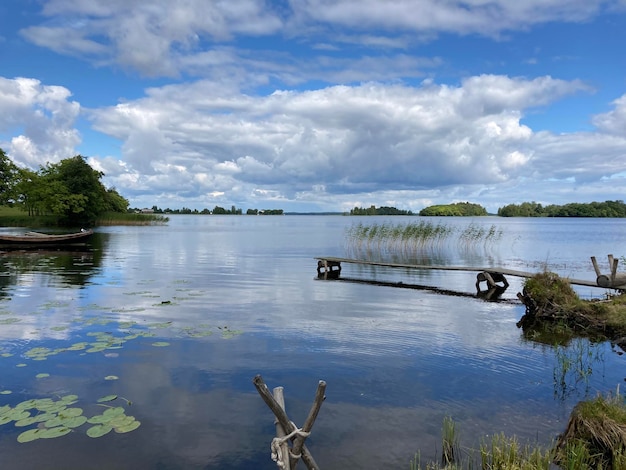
325	269
491	278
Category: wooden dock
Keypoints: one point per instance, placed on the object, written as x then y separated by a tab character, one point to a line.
330	268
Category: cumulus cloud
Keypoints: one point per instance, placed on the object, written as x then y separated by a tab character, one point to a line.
349	140
170	37
39	119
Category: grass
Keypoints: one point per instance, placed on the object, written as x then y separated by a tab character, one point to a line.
595	439
552	303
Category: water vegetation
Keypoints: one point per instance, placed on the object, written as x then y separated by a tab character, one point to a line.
411	238
552	306
54	418
595	438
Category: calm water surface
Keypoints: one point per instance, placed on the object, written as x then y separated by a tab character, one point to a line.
202	305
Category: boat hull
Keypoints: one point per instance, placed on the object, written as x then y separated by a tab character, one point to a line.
36	239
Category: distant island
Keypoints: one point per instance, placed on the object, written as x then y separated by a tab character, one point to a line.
575	209
457	209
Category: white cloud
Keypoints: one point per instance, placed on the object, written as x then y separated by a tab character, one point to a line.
40	120
169	37
613	122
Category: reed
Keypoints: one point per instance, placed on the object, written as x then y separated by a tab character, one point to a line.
117	218
412	238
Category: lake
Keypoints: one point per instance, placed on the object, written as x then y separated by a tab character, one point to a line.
176	320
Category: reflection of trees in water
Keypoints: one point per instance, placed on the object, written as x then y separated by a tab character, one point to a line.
72	265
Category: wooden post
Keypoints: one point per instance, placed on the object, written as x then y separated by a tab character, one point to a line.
595	266
280	431
308	424
283	419
613	265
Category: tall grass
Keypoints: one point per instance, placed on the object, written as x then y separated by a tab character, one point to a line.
118	218
600	445
413	238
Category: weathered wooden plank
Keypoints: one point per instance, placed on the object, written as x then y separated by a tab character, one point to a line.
490	269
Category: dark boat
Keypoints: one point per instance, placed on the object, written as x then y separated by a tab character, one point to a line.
37	239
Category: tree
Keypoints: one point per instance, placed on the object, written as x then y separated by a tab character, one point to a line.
71	190
9	177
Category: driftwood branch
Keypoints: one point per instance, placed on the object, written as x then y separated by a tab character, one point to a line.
298	443
283	419
280	431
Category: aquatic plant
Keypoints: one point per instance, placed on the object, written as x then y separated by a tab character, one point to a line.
411	238
56	418
596	434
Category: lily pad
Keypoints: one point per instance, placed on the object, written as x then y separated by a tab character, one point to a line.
26	421
29	436
75	422
69	398
111	377
113	412
128	427
51	433
99	430
72	412
107	398
160	344
42	375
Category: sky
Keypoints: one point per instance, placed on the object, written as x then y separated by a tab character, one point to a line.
321	105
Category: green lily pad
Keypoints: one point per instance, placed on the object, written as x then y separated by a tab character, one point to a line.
111	377
113	412
6	392
121	420
5	420
107	398
75	421
99	419
51	433
21	364
99	430
128	427
72	412
42	375
160	344
26	421
29	436
17	415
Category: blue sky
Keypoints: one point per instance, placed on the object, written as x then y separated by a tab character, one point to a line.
320	105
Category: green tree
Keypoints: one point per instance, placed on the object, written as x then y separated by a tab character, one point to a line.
9	177
71	190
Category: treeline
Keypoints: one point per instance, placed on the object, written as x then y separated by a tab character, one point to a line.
591	209
217	210
458	209
373	210
69	190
